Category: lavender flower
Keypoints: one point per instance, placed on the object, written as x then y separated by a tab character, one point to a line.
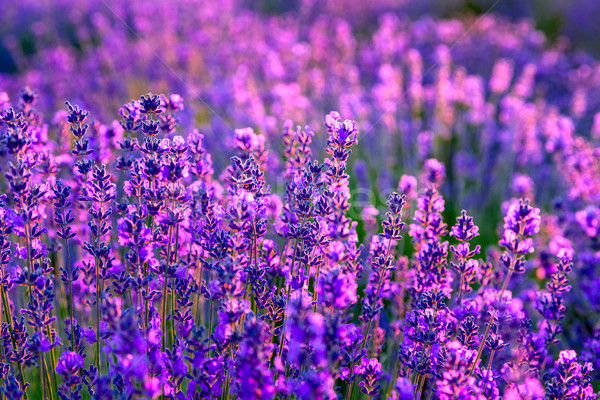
215	249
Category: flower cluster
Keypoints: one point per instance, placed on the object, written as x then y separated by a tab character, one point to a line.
172	282
213	249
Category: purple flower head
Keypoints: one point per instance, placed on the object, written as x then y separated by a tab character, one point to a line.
69	363
408	186
306	332
315	385
150	104
369	216
434	172
393	225
152	387
463	250
216	285
342	133
589	220
338	289
404	389
254	378
515	243
502	75
76	115
173	102
247	140
522	185
132	116
522	219
464	230
424	143
569	379
370	370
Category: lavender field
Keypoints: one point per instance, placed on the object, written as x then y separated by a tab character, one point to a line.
297	200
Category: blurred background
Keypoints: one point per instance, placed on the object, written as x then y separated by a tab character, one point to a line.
30	27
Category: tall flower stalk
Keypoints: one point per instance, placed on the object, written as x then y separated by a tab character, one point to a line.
521	222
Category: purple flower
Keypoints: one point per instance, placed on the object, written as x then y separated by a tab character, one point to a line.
370	370
434	172
589	220
502	75
69	363
408	186
522	219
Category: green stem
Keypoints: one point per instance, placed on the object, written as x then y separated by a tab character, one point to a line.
487	329
96	241
210	319
7	312
173	294
393	377
52	362
288	290
164	304
316	288
96	264
366	334
460	293
489	367
42	367
71	312
195	311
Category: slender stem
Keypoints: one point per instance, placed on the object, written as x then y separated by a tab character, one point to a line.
283	253
198	315
42	366
393	377
366	334
27	244
417	386
287	300
374	342
173	294
505	285
254	303
210	319
141	301
30	266
379	285
52	362
487	329
164	304
7	312
289	289
96	240
96	264
460	292
489	367
316	288
130	291
150	222
71	313
421	378
421	385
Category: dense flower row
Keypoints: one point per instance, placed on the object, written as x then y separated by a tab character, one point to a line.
491	100
138	273
158	252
